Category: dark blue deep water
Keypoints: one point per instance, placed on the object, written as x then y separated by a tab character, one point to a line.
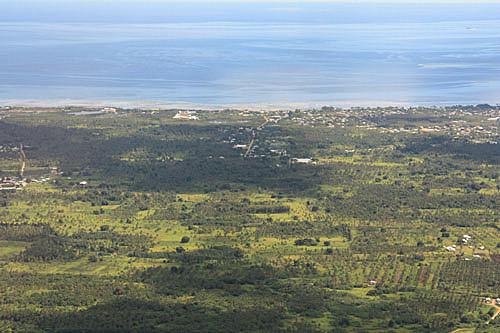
331	53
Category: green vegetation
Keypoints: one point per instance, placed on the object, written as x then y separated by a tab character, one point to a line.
331	220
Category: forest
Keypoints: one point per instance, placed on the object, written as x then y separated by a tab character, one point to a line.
323	220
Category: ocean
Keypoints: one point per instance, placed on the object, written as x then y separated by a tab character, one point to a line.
225	54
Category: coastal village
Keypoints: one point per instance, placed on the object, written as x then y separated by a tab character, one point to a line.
479	124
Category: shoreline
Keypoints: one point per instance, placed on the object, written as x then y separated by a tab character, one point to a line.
264	106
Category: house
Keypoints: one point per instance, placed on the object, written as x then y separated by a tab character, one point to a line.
83	183
8	188
186	115
111	110
302	160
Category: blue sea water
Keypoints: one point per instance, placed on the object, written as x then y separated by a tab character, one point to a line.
246	53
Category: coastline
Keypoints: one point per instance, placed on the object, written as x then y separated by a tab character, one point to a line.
265	106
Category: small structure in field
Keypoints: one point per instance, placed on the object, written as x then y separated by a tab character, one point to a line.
302	160
451	248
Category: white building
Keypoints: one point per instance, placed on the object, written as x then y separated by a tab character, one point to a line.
302	160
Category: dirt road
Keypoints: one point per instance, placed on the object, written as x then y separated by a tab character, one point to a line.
464	329
254	134
496	313
492	303
23	155
250	144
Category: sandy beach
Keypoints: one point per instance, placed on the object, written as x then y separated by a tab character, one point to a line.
268	106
